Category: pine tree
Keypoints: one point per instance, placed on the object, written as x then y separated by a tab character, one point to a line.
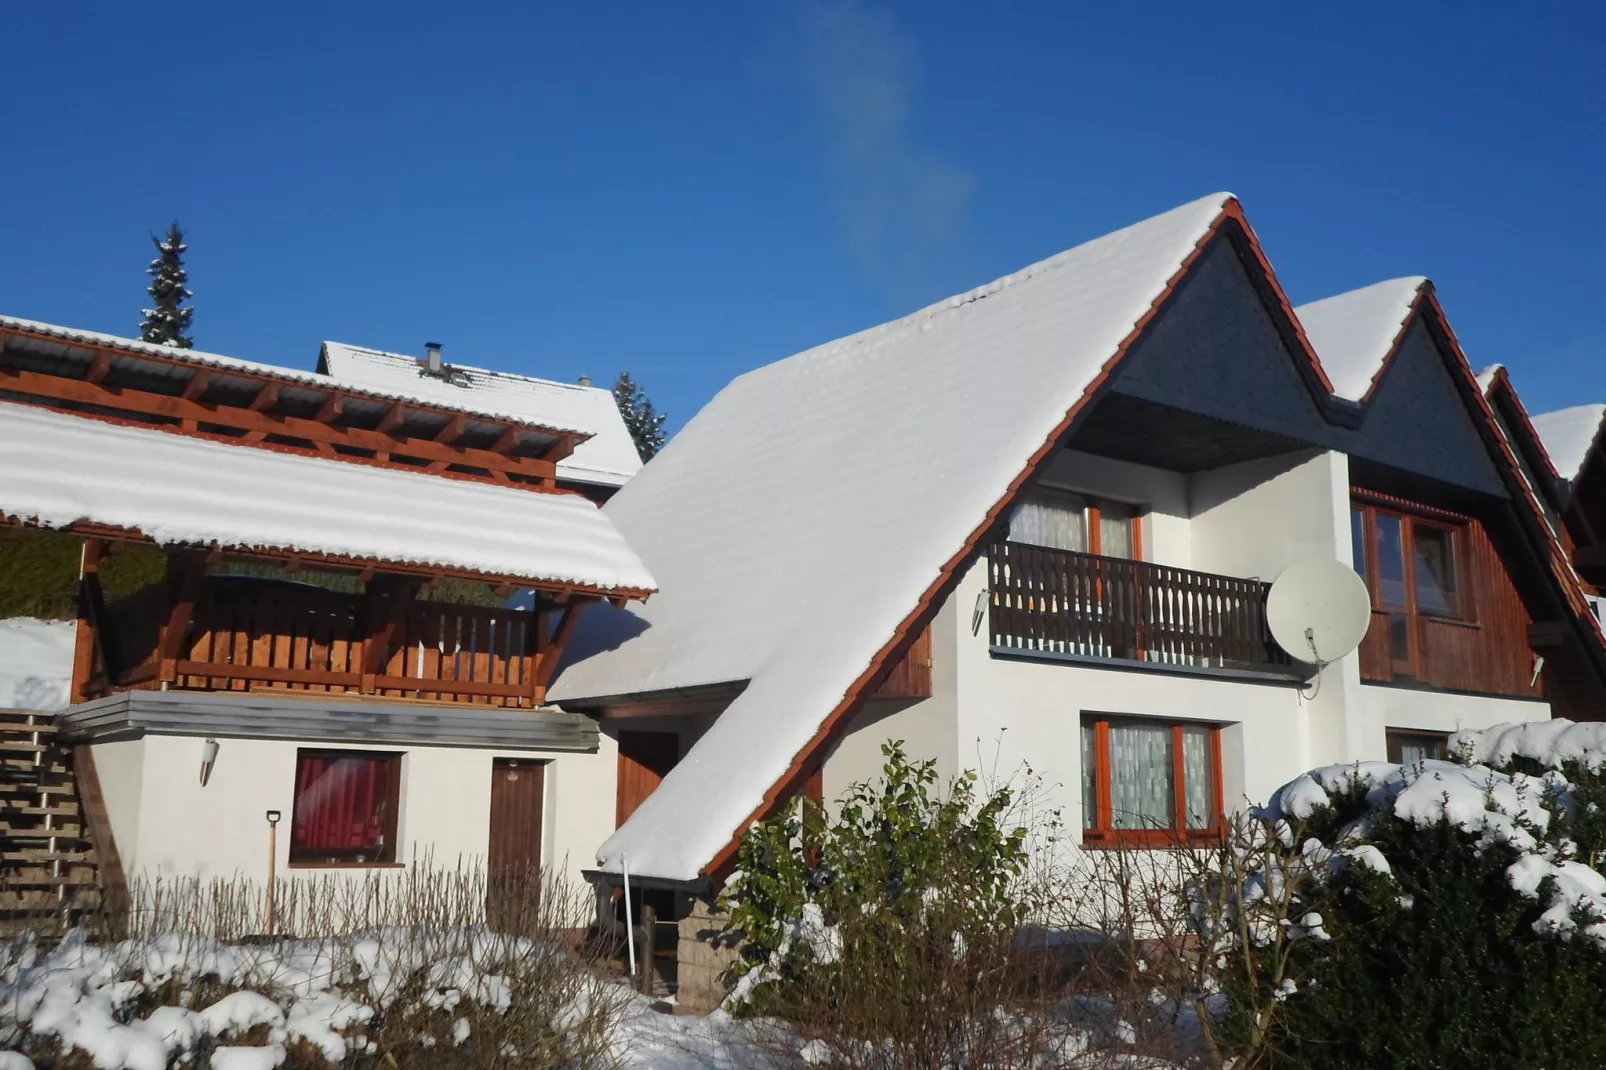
166	323
646	424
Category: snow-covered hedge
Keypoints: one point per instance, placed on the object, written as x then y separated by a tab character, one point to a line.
1455	911
144	1004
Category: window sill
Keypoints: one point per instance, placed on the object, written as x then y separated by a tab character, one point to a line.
1454	622
1149	839
348	865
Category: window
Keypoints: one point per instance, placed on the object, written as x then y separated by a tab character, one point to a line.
1062	520
1413	568
345	807
1407	746
1149	781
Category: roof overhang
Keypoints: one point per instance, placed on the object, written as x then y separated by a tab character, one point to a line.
132	484
324	718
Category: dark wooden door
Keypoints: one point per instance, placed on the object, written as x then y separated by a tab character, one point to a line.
514	860
516	797
645	758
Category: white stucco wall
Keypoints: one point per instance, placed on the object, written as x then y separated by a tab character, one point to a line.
167	824
1254	519
1436	711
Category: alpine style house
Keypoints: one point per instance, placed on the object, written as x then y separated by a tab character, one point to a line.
327	631
1035	522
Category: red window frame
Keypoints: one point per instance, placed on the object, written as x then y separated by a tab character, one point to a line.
1411	614
349	819
1101	830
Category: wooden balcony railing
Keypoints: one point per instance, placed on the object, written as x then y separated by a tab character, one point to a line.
244	633
1083	605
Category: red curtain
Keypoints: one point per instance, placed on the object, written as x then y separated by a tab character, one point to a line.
341	805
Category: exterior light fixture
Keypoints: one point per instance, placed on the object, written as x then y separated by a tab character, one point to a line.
208	759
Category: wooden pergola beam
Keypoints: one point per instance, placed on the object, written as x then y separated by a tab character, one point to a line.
197	386
333	406
453	429
259	425
394	417
266	398
99	367
546	662
186	571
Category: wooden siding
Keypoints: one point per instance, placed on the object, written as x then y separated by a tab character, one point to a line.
645	758
911	677
1064	602
1486	653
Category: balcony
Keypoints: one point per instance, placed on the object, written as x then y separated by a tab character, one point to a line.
243	633
1064	605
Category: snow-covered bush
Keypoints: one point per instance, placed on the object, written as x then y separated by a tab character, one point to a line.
1433	914
407	972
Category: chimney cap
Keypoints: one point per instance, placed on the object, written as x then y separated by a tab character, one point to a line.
585	380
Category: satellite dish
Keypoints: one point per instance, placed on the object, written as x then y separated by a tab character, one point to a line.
1318	610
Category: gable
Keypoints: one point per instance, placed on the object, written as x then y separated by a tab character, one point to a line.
1215	350
1418	421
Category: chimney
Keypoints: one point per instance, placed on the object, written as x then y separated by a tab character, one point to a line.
585	380
432	357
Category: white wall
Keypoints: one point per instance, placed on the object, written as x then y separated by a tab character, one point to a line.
1435	711
166	824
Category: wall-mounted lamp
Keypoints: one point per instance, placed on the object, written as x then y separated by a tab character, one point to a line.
208	759
979	613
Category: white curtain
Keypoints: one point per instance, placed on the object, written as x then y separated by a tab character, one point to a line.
1141	790
1115	532
1049	518
1199	771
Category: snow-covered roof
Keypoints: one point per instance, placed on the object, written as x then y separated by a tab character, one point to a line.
1353	333
419	390
798	519
1568	434
1486	378
608	456
58	469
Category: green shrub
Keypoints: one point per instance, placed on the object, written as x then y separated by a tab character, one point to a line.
39	573
1425	953
885	929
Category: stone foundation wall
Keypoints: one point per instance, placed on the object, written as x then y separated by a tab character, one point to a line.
703	957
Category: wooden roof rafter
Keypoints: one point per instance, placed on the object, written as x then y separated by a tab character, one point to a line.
365	568
437	446
253	425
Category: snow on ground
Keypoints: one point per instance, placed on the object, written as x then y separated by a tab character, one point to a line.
35	665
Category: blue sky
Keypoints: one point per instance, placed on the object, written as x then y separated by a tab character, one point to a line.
689	191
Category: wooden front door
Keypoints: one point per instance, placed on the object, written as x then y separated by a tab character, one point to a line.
645	758
516	799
